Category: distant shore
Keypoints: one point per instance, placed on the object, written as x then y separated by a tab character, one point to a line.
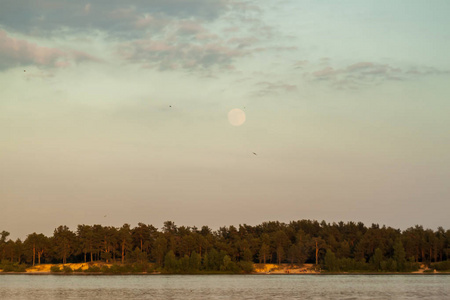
80	269
212	274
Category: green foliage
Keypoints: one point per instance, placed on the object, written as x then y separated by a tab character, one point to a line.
264	252
441	266
170	263
93	269
230	266
195	262
347	264
248	256
55	269
213	260
105	269
353	247
13	267
331	263
389	265
67	269
64	241
114	269
376	260
183	264
246	266
119	269
140	267
138	256
399	256
106	256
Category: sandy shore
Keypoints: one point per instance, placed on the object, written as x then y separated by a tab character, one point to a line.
45	268
285	269
261	269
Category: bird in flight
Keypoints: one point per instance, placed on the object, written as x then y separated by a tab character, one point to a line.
254	153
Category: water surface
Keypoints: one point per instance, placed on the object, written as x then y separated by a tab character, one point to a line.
225	287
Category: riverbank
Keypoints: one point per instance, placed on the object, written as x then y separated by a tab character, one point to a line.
259	269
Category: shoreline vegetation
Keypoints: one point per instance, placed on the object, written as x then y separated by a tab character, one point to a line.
93	268
299	247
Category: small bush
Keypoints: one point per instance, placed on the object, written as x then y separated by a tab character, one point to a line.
104	269
412	266
13	267
55	269
128	268
115	269
441	266
67	269
93	269
139	268
247	266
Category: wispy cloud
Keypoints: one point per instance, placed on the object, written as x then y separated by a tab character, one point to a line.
50	16
16	52
167	54
160	34
359	74
271	88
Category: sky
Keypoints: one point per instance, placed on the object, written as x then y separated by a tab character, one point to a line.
116	112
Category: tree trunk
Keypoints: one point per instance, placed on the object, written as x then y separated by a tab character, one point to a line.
317	254
34	254
123	251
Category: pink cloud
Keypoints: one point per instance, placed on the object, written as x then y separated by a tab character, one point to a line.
300	64
271	88
366	73
243	42
206	36
15	51
173	54
190	27
326	72
144	21
232	29
360	65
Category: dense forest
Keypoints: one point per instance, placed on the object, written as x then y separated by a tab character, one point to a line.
332	247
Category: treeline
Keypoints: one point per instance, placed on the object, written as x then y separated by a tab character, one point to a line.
333	247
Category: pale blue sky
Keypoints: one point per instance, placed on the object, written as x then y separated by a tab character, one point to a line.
346	106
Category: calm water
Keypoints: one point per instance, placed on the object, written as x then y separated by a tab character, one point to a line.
224	287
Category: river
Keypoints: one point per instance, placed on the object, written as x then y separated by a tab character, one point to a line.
225	287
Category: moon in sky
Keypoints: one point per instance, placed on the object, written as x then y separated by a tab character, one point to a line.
236	117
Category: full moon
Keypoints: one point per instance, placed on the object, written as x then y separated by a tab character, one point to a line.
236	117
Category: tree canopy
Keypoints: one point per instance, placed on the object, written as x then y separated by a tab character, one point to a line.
334	246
